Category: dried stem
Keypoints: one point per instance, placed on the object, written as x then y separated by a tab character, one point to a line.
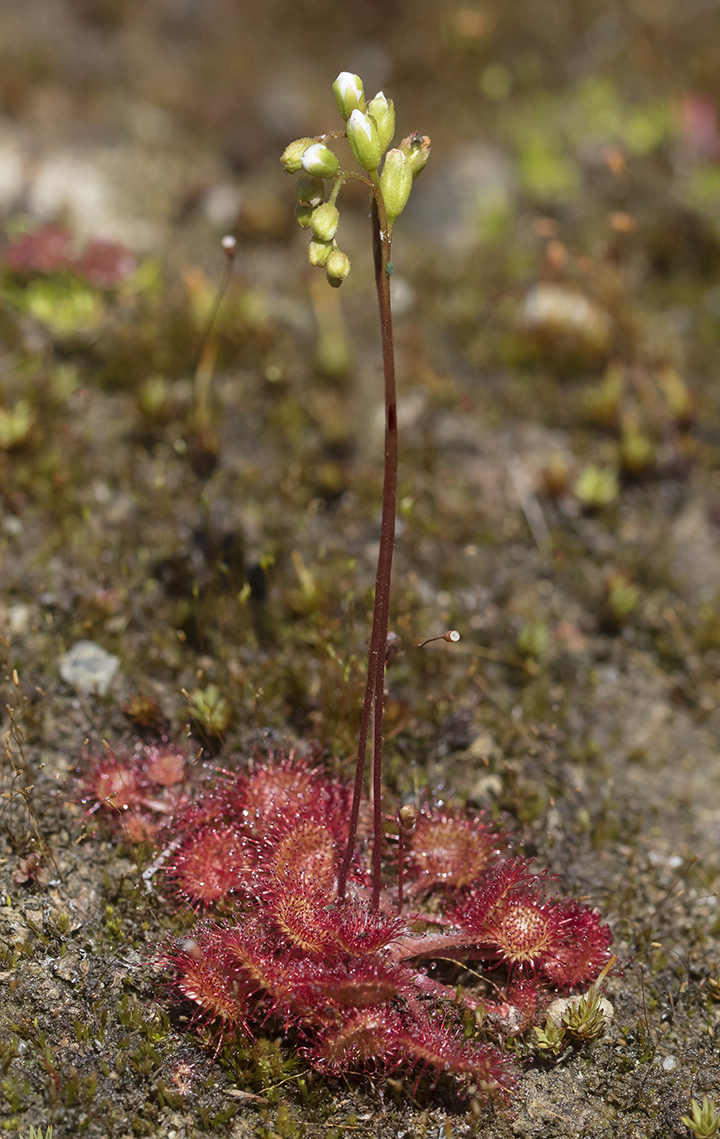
374	689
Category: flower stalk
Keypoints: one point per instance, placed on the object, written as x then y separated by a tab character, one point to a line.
375	685
389	177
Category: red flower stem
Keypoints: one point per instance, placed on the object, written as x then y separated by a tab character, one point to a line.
401	856
374	688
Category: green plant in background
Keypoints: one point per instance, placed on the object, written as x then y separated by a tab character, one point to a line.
209	709
596	487
636	451
623	597
65	307
16	425
586	1018
703	1121
154	400
649	412
601	402
549	133
550	1039
533	639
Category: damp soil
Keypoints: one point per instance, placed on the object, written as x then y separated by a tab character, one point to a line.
557	328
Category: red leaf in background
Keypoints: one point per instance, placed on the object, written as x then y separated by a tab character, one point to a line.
700	126
46	250
105	263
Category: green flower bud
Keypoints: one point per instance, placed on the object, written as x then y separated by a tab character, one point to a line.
325	221
309	190
338	267
303	216
364	141
319	160
382	112
292	155
417	148
319	251
349	93
396	183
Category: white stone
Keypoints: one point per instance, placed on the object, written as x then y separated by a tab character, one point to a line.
222	205
67	184
89	668
19	618
12	172
553	308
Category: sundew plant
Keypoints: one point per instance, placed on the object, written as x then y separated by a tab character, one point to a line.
314	914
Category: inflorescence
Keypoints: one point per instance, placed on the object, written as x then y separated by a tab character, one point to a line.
369	129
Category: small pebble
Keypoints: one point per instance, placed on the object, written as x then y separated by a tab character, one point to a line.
89	668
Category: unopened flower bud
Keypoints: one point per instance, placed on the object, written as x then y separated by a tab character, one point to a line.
309	190
396	183
382	112
303	216
325	221
338	267
364	141
349	93
319	251
407	819
292	155
417	148
319	160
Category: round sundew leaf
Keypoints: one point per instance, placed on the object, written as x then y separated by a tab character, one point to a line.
115	784
215	862
305	854
165	766
276	793
449	852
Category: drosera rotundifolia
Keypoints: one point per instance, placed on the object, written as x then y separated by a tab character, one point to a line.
315	914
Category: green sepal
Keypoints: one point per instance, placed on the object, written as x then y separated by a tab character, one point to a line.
309	190
303	216
325	220
382	112
319	251
396	183
291	157
364	142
